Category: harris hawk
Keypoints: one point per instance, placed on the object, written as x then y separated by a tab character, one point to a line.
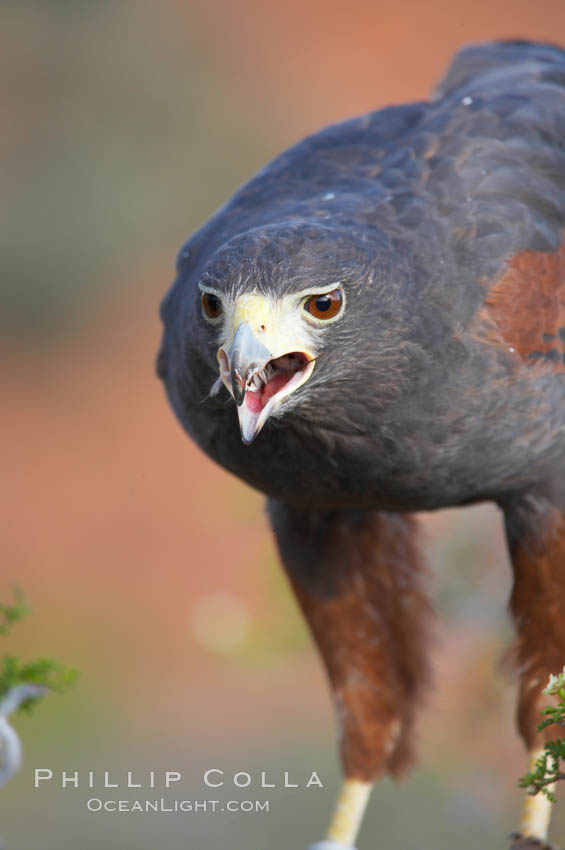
372	326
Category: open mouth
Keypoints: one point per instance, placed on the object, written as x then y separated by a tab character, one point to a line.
278	377
265	387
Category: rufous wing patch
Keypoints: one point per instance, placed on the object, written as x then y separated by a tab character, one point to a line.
527	306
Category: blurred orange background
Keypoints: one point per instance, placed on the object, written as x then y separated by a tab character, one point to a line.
125	125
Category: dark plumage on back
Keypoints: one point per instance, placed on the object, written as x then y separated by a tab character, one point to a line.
385	304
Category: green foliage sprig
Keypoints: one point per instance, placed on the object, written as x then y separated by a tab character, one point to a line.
548	767
46	673
22	686
10	614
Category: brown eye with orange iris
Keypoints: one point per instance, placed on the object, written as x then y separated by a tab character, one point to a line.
324	306
211	305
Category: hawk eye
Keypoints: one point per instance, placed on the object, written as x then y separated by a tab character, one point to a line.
211	305
324	306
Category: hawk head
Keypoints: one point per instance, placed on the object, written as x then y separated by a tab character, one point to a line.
285	317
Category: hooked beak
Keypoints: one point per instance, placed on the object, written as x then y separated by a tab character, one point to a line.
258	380
245	357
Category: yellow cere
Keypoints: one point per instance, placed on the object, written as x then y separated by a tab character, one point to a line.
253	309
278	323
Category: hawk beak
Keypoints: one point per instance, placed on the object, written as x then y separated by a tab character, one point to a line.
246	357
258	380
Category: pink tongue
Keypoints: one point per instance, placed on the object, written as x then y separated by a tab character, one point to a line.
276	383
255	402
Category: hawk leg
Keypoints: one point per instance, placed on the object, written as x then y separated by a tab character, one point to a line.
535	531
359	580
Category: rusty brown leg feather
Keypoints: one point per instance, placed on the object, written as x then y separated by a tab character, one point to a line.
359	582
536	538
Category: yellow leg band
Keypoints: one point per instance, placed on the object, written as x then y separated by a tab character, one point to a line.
349	811
536	813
